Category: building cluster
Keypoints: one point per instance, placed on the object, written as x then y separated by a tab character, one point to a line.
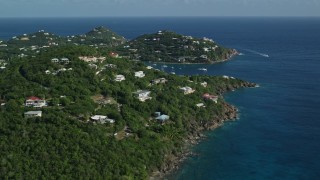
34	102
92	59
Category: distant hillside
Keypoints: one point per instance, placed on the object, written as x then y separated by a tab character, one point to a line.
37	39
167	46
32	44
99	36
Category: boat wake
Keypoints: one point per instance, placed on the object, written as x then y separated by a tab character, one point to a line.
256	52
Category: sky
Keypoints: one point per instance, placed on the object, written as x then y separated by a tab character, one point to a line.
111	8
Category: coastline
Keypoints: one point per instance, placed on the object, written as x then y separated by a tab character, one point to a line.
232	55
174	162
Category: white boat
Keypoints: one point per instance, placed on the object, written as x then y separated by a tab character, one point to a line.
202	69
164	66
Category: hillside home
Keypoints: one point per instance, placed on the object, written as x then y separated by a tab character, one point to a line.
149	67
24	39
204	56
120	78
162	118
110	66
200	105
101	119
34	101
114	55
206	49
207	96
143	95
31	114
55	60
204	84
64	60
159	81
187	90
92	58
139	74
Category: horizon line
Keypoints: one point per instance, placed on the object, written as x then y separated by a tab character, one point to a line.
27	17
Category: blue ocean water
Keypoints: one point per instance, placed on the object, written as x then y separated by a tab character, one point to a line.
277	135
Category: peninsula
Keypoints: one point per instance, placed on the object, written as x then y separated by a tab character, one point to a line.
71	109
170	47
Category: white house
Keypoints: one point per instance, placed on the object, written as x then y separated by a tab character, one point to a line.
55	60
187	90
160	80
143	95
47	72
101	119
162	118
139	74
30	114
120	78
64	60
204	84
225	77
110	66
200	105
206	49
204	56
35	102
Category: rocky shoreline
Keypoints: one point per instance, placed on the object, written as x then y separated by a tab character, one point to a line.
233	53
173	162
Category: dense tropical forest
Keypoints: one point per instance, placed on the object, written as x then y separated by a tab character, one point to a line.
65	142
167	46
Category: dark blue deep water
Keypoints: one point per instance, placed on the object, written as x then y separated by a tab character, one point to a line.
278	133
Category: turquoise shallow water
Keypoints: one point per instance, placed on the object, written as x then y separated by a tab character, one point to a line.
277	135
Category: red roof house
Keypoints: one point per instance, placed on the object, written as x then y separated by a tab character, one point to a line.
35	101
208	96
114	55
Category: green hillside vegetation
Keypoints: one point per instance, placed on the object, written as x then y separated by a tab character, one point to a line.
167	46
38	39
34	43
65	144
98	37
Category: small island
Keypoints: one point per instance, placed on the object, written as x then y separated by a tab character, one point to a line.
72	110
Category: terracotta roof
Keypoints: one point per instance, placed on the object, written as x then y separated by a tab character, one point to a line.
34	98
208	96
